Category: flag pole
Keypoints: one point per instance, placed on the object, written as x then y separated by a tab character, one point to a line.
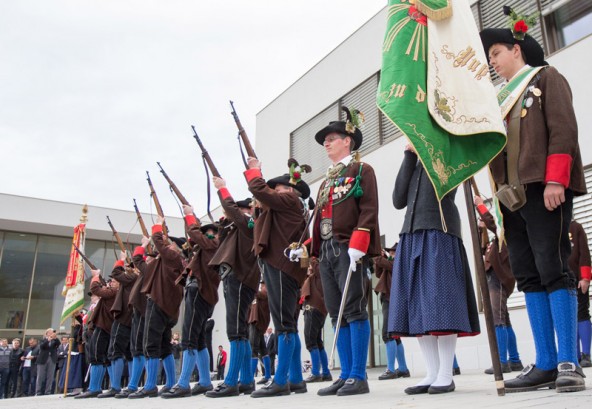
482	279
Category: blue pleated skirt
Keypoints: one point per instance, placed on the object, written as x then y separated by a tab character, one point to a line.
432	290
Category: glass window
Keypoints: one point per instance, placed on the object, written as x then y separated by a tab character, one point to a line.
16	265
568	23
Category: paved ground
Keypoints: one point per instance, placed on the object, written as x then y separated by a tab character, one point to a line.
473	389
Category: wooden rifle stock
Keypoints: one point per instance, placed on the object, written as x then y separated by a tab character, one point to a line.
142	226
205	154
119	241
243	133
156	203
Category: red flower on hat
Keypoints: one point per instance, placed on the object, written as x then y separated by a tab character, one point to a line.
521	26
297	175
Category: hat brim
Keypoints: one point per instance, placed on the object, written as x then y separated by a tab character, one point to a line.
339	127
284	180
533	52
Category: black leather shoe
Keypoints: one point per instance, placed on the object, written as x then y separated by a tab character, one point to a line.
222	391
200	390
570	378
516	366
271	389
327	377
585	361
332	389
531	379
88	394
299	387
263	381
388	374
144	393
354	386
455	371
125	393
246	388
314	378
402	374
506	368
109	394
417	390
433	390
164	389
175	392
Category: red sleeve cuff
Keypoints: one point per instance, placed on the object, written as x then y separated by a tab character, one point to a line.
482	209
360	240
251	174
139	251
558	169
585	272
118	263
190	219
157	228
224	193
307	241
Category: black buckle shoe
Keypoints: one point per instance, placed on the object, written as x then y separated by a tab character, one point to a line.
176	392
585	361
327	377
570	378
531	379
516	366
200	390
354	386
388	374
246	388
144	393
332	389
417	389
402	374
314	378
299	387
263	381
433	390
125	393
506	368
109	394
222	391
88	394
271	389
164	389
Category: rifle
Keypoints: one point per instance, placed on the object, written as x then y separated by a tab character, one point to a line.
156	203
89	263
205	154
243	135
142	226
119	241
174	187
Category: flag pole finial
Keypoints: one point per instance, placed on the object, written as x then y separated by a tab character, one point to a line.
84	216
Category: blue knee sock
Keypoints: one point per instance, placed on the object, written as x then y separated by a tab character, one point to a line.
360	338
501	333
564	309
246	372
236	356
391	354
512	345
130	368
97	373
285	344
541	324
186	368
585	335
455	363
254	363
267	366
136	372
324	362
170	371
110	372
344	349
295	374
315	360
151	373
116	372
402	363
203	363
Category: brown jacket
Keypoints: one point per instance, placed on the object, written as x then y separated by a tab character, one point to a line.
121	310
312	289
137	300
237	248
498	260
280	224
383	268
101	315
353	213
579	259
549	128
159	281
207	276
259	313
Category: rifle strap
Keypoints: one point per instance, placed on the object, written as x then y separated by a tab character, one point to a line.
240	146
180	211
208	187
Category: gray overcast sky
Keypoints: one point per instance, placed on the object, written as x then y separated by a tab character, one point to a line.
93	93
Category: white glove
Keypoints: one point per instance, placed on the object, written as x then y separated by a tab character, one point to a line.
295	254
355	254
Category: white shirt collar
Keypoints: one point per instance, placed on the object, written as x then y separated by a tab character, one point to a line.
345	161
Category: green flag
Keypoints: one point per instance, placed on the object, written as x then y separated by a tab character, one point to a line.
435	87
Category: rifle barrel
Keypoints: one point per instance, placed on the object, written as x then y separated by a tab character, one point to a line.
205	154
243	133
173	186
